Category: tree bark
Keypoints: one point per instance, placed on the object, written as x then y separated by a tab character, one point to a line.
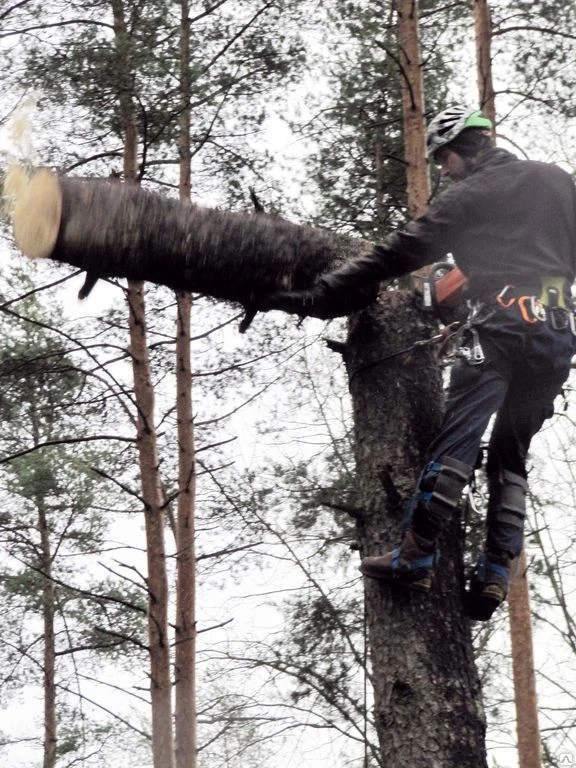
525	697
185	660
519	611
417	177
48	613
159	643
428	708
185	651
120	230
158	639
483	36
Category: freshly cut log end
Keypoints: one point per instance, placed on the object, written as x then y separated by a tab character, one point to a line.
120	230
36	210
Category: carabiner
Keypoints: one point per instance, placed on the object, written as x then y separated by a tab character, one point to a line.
528	313
500	298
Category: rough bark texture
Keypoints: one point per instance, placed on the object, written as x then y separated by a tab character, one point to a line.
519	613
427	695
121	230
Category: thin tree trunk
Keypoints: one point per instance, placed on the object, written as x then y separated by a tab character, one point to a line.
483	35
158	638
417	177
519	612
525	696
48	602
185	653
185	660
160	682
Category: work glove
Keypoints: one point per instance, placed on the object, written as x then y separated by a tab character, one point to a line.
319	301
310	302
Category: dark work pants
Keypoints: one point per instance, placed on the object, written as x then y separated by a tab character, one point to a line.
525	368
526	365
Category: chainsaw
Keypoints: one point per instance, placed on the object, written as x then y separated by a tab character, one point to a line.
441	287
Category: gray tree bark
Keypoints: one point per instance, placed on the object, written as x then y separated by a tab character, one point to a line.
428	706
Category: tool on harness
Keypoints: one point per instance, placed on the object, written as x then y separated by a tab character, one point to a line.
472	350
554	291
531	307
440	287
560	317
551	304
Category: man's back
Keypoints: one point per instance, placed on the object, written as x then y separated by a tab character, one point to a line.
512	221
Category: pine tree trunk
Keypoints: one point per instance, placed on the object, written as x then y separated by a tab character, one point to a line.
48	607
483	35
185	678
428	708
527	727
159	642
417	178
185	651
158	639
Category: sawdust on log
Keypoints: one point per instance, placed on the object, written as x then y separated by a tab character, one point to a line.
34	204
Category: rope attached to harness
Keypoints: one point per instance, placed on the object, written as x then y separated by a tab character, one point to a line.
444	337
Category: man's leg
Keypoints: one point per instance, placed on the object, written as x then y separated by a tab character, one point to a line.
475	393
520	418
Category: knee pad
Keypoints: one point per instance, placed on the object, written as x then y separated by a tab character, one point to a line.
438	493
506	513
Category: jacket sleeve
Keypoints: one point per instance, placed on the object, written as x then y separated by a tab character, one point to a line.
354	285
423	241
347	289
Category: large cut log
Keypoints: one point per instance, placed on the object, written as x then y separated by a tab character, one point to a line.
121	230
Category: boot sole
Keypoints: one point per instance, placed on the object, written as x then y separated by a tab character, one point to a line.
416	581
481	607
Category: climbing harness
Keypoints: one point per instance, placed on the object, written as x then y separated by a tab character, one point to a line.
532	310
549	306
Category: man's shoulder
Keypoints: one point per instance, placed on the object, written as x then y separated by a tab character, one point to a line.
500	161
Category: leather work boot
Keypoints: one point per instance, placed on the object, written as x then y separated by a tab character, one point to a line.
488	588
411	564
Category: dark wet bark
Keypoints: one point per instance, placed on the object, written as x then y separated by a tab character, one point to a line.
427	695
120	230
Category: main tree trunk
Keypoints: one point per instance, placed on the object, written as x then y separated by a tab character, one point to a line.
428	708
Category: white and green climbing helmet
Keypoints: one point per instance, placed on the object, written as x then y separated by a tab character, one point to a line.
450	123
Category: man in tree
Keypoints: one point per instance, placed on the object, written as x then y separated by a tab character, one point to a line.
510	225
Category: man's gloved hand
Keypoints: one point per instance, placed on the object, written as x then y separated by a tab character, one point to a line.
306	303
319	301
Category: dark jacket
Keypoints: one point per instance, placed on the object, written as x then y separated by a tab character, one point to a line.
509	222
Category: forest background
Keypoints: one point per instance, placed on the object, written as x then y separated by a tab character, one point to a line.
299	102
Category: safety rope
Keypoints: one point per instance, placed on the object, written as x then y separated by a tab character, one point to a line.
444	336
